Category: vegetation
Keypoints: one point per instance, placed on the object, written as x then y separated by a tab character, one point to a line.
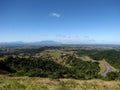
112	76
48	68
35	83
26	68
112	57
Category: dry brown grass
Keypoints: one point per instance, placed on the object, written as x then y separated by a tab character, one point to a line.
35	83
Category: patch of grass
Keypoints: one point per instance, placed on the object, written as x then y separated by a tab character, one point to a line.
102	66
86	58
2	58
35	83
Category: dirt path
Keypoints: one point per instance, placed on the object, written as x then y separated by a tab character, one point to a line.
107	69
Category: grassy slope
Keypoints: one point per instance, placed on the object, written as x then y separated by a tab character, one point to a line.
27	83
57	53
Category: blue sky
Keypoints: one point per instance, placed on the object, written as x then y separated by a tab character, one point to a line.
67	21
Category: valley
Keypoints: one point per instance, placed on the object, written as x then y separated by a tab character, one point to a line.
76	67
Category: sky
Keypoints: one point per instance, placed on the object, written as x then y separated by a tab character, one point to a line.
66	21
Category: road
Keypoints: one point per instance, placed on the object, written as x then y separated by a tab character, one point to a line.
107	69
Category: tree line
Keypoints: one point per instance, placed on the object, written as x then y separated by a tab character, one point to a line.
46	67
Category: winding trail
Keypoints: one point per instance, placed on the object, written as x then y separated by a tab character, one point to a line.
107	69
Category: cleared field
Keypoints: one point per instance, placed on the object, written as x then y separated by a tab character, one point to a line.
86	58
55	54
27	83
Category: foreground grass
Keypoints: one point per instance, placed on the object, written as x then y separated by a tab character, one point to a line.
27	83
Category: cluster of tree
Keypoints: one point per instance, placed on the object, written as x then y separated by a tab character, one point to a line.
26	51
48	68
81	52
83	69
23	52
112	57
112	76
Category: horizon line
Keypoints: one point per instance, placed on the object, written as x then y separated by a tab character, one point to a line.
25	42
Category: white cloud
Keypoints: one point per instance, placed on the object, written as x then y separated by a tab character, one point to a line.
55	15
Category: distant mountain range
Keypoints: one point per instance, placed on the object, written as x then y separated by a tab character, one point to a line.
49	43
39	43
